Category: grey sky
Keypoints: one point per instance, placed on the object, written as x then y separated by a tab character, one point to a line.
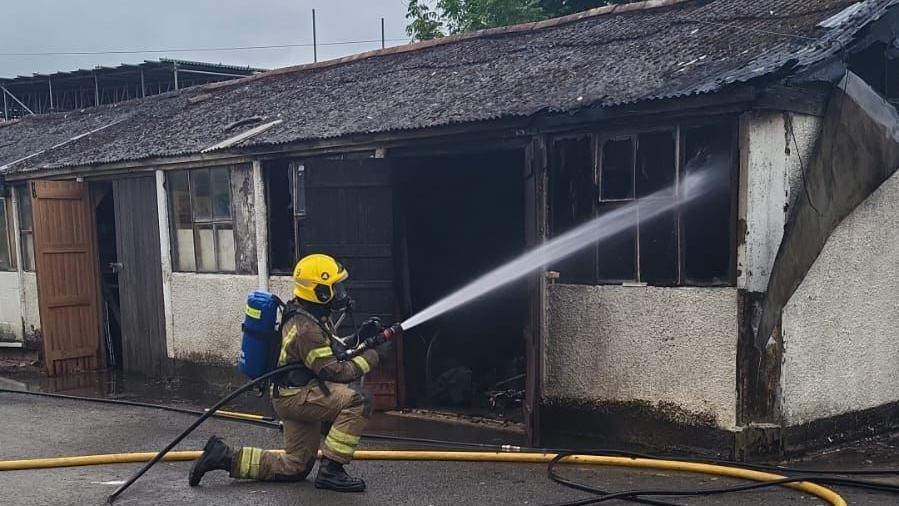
98	25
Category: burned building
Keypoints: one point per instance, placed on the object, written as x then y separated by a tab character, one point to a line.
761	317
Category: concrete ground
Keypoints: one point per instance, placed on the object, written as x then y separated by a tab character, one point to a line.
38	427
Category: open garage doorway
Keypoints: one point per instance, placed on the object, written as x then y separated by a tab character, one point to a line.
459	216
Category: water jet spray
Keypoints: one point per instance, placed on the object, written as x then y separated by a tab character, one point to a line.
694	185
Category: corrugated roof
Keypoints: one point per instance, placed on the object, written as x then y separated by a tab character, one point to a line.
603	58
160	64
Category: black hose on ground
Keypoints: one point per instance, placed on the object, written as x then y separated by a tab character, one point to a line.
266	421
218	405
603	496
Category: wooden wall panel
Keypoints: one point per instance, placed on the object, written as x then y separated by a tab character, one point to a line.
140	277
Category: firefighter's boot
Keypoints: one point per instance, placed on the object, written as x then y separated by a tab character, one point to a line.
216	456
331	476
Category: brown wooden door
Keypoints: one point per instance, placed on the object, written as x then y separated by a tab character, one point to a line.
349	215
66	266
140	276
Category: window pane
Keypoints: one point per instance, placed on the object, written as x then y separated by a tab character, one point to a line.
617	256
617	173
179	198
299	206
221	194
658	245
6	257
185	260
225	244
201	193
572	197
28	252
707	221
205	241
24	199
655	163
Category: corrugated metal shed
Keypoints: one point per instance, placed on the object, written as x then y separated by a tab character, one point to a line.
607	57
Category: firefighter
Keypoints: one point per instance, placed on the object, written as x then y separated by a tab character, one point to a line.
326	390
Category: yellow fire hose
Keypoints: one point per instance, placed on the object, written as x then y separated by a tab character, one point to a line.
824	493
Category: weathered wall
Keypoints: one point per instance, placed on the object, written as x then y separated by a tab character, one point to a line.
771	175
282	286
207	311
31	311
10	307
841	326
674	348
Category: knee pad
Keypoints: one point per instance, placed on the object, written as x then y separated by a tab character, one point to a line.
363	397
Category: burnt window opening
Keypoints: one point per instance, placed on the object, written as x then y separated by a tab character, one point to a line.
707	223
572	197
656	173
617	176
878	65
639	179
286	197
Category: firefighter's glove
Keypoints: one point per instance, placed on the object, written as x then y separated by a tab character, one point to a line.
370	328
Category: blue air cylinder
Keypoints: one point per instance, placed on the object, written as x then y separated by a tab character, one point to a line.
259	335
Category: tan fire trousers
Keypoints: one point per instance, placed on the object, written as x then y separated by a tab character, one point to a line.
302	411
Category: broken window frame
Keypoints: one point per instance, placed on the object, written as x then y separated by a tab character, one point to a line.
678	129
26	228
7	239
216	223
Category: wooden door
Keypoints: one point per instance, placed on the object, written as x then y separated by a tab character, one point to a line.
349	215
140	276
67	277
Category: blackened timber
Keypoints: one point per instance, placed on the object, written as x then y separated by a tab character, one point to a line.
242	205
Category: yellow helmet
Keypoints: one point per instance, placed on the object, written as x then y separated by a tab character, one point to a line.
315	277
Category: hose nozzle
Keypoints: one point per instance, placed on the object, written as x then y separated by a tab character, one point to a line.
392	331
376	340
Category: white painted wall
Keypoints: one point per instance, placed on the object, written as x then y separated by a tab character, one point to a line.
31	311
10	307
650	344
770	179
207	312
841	327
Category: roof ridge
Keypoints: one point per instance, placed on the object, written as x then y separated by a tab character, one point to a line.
451	39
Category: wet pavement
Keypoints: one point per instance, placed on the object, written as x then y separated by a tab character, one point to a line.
40	427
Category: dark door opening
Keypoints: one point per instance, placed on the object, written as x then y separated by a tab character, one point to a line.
104	205
459	216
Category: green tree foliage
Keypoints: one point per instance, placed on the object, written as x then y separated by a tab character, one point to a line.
448	17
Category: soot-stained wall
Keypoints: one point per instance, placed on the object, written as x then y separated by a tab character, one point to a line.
841	326
673	349
770	175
